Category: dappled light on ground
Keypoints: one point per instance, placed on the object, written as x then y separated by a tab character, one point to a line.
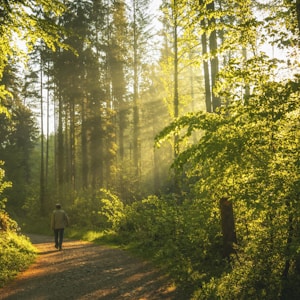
87	271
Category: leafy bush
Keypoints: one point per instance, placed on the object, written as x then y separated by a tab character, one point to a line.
250	154
16	251
184	238
6	223
112	208
84	212
16	254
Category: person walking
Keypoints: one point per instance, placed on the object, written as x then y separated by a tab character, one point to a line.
59	221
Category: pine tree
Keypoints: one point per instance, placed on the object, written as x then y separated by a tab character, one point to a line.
17	139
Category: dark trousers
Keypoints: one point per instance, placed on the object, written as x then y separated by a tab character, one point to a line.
58	237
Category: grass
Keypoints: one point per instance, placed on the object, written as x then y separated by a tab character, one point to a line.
98	237
16	254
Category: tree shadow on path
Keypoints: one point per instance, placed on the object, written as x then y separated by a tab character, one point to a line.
86	271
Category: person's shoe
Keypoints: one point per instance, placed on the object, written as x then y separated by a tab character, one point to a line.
56	246
60	249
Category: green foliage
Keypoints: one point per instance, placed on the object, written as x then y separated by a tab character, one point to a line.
4	220
16	251
183	238
106	237
3	185
96	210
249	152
29	21
16	254
84	212
112	208
6	223
17	136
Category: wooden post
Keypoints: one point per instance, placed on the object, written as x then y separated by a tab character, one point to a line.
228	228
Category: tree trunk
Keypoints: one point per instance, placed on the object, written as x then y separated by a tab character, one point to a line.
136	152
47	135
72	145
84	147
176	95
293	233
212	103
42	170
298	13
214	62
207	87
228	228
60	161
206	75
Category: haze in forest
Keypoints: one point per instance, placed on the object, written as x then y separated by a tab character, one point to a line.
181	144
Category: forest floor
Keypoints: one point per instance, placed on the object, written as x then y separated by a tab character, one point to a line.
84	270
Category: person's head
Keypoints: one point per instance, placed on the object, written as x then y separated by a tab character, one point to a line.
58	206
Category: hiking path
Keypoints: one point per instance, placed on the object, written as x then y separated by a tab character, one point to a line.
84	270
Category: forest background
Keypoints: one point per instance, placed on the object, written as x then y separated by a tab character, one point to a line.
179	140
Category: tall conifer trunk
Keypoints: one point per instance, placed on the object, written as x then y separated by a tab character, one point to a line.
42	169
60	161
214	62
72	174
136	154
206	73
84	146
176	95
117	63
47	135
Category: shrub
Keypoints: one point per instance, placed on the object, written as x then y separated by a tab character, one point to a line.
112	208
6	223
181	237
16	254
84	213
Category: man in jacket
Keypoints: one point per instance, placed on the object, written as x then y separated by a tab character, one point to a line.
59	221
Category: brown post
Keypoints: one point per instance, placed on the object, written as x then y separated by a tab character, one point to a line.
228	229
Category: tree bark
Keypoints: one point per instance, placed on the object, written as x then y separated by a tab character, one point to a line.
298	13
136	156
176	95
84	145
214	62
206	75
42	162
228	228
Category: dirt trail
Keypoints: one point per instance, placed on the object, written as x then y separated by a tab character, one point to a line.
86	271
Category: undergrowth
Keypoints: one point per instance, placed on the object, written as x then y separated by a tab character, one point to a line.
16	254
